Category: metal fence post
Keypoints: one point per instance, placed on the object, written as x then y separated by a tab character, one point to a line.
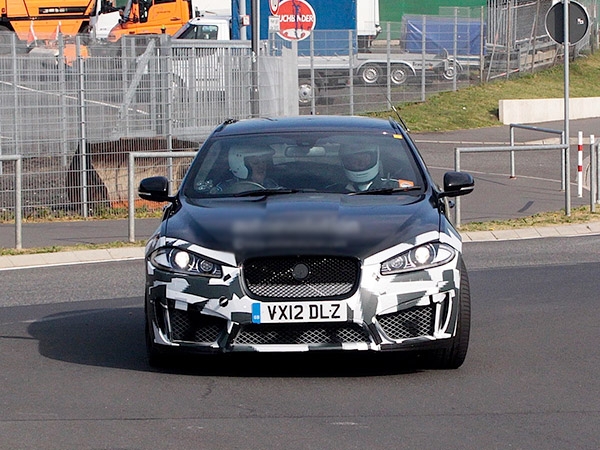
457	217
351	69
388	64
423	52
82	130
62	83
18	197
130	197
455	52
15	81
313	81
482	44
593	172
18	202
512	153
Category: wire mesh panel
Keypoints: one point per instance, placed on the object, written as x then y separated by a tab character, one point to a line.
75	123
210	83
75	109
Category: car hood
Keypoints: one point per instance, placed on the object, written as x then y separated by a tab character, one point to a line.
333	224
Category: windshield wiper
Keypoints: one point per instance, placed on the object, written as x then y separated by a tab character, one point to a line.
266	192
387	191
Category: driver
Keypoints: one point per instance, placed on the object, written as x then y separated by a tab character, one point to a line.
362	167
250	166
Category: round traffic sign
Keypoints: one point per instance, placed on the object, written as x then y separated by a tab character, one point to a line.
579	22
296	19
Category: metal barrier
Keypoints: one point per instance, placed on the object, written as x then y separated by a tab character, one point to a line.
131	180
514	126
458	151
18	159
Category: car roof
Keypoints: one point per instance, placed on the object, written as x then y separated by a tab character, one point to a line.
307	123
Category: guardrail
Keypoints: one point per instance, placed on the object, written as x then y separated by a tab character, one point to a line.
131	181
514	126
511	149
18	197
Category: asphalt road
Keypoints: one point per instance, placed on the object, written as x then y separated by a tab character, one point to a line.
74	376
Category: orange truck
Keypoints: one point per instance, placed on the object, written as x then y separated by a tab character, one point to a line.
39	20
162	16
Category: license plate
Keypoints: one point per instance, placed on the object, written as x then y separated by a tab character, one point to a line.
290	312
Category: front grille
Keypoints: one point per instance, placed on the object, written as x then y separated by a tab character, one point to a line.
410	323
194	327
308	334
301	277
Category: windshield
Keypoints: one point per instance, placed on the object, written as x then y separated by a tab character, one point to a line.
303	162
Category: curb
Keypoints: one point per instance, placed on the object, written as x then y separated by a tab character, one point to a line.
70	257
580	229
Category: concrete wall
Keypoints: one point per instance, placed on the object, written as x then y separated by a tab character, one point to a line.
547	109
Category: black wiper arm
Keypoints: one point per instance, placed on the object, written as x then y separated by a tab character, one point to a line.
266	192
386	191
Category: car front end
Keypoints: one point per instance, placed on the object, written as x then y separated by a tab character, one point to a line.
299	270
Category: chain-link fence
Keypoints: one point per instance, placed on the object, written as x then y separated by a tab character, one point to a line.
75	109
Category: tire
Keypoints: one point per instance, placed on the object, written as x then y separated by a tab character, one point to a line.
451	72
400	74
454	356
157	357
371	74
306	92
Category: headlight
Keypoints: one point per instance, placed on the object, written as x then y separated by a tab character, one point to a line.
179	260
418	258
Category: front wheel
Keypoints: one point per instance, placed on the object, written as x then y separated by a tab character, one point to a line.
454	356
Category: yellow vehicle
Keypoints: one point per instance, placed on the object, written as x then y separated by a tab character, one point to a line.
41	20
161	16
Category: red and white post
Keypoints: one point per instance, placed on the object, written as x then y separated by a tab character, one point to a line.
580	165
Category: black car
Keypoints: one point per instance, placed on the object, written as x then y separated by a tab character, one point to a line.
305	234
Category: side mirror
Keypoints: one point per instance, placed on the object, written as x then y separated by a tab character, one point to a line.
155	189
457	183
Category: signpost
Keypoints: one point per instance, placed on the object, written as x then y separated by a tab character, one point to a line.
567	22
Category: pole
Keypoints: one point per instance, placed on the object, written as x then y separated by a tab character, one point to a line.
255	44
19	202
566	106
580	164
593	172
